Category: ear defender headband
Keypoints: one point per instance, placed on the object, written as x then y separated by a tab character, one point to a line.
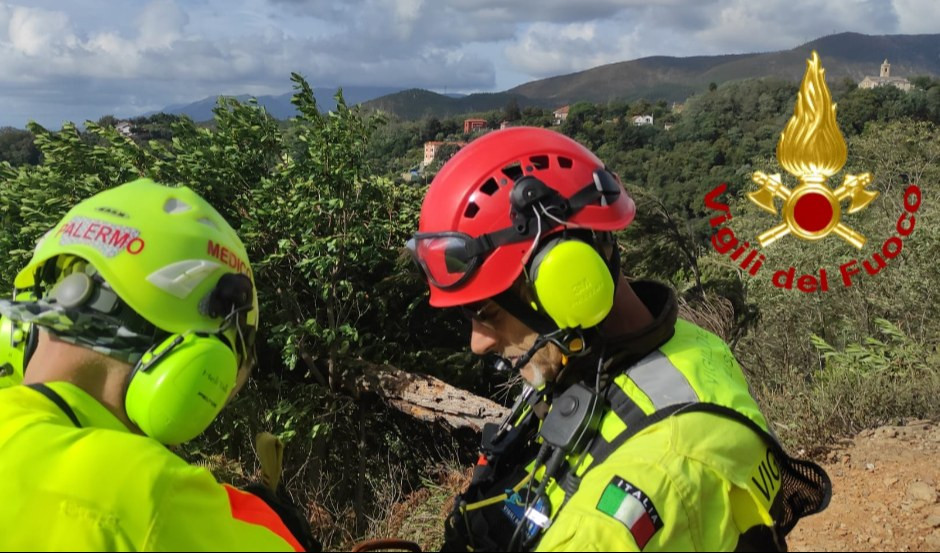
179	386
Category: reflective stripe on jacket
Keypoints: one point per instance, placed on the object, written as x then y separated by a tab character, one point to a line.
697	481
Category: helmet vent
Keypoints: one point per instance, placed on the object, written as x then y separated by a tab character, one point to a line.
540	162
471	211
513	171
174	206
208	222
489	187
564	162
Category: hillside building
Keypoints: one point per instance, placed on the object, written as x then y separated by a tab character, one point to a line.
431	148
885	79
640	120
124	127
470	125
561	114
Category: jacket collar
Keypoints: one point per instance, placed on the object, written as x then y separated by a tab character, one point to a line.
626	349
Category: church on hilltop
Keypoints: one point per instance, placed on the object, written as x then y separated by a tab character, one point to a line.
885	79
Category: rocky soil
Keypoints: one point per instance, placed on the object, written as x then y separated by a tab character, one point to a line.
886	484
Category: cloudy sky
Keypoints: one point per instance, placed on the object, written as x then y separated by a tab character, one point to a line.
81	59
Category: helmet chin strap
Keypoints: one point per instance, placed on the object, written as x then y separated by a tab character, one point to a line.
570	342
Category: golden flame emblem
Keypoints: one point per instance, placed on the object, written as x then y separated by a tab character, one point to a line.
812	149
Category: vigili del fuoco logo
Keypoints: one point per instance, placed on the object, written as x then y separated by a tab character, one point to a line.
812	149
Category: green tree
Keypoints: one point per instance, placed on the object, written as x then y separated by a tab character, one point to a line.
444	153
324	234
430	129
511	112
17	147
107	121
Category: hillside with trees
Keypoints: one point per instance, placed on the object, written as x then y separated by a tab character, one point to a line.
323	209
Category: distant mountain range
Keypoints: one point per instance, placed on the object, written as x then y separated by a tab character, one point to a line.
280	106
416	103
851	55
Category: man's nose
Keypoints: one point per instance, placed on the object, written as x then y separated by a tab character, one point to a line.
483	339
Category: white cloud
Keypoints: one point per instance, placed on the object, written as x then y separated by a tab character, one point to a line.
5	13
745	26
918	16
37	32
551	48
58	56
407	13
161	23
712	27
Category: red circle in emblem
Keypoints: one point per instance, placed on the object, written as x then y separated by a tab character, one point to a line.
812	212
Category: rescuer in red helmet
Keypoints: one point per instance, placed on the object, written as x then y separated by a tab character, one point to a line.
636	429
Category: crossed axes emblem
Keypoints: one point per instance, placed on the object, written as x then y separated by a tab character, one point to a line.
853	186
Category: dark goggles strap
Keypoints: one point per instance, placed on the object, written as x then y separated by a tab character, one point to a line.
492	240
588	195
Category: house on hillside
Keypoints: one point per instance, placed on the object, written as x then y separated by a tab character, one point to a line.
470	125
431	148
885	79
124	127
561	114
640	120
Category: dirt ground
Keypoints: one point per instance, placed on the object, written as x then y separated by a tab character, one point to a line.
885	493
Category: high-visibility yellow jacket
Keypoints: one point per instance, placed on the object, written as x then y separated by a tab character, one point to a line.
682	460
691	482
96	486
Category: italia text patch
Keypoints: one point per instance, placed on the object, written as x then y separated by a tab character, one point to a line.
628	504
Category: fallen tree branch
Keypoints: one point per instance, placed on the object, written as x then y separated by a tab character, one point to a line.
421	396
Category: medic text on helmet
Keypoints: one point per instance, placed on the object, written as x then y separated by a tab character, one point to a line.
229	258
107	238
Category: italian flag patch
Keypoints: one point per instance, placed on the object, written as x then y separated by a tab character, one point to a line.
628	504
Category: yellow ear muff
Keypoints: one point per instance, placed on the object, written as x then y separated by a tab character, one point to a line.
180	385
572	283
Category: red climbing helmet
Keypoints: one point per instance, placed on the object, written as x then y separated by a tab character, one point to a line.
496	197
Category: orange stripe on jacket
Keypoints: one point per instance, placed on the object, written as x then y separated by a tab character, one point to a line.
252	509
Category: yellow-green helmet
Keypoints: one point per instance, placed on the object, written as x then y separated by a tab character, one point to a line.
173	260
162	250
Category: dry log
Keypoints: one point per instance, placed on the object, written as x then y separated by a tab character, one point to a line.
422	396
